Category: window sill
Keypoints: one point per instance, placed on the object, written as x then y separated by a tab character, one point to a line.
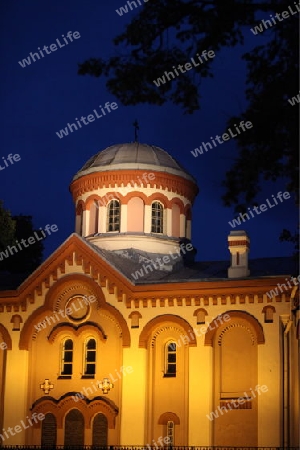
170	375
64	377
87	377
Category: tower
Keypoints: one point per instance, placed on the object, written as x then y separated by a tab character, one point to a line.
134	196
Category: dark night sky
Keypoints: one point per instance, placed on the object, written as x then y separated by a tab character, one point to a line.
40	99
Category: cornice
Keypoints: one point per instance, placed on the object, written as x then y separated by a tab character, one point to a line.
74	251
59	408
121	178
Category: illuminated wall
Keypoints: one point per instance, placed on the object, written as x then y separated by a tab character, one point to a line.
216	362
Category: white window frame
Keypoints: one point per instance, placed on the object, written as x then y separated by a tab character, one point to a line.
168	352
162	218
171	433
85	359
62	357
113	216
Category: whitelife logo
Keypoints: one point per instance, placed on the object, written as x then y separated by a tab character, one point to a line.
273	293
11	250
11	158
18	428
263	207
225	136
90	118
124	9
3	346
265	24
166	260
140	182
235	403
185	339
162	441
68	311
294	100
53	48
94	388
187	66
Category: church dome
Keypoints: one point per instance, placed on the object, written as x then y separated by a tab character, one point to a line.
133	156
134	196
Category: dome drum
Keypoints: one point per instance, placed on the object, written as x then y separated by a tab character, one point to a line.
133	195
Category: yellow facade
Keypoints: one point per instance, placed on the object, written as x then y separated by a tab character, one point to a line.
198	362
143	399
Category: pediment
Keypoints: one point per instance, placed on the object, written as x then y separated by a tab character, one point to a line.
73	253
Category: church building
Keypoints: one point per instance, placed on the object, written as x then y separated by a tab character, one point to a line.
124	337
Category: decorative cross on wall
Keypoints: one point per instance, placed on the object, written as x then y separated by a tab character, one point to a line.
46	386
105	385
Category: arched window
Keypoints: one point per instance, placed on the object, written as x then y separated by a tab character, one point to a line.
170	433
200	313
269	311
90	358
170	359
100	430
74	429
157	219
135	317
49	431
16	320
113	216
67	358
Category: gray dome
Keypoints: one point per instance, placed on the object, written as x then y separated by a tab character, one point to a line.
133	155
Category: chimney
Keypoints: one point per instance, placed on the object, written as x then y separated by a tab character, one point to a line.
239	247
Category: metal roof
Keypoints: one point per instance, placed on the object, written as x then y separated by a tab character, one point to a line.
129	261
133	155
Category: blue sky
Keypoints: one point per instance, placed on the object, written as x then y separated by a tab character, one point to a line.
40	99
